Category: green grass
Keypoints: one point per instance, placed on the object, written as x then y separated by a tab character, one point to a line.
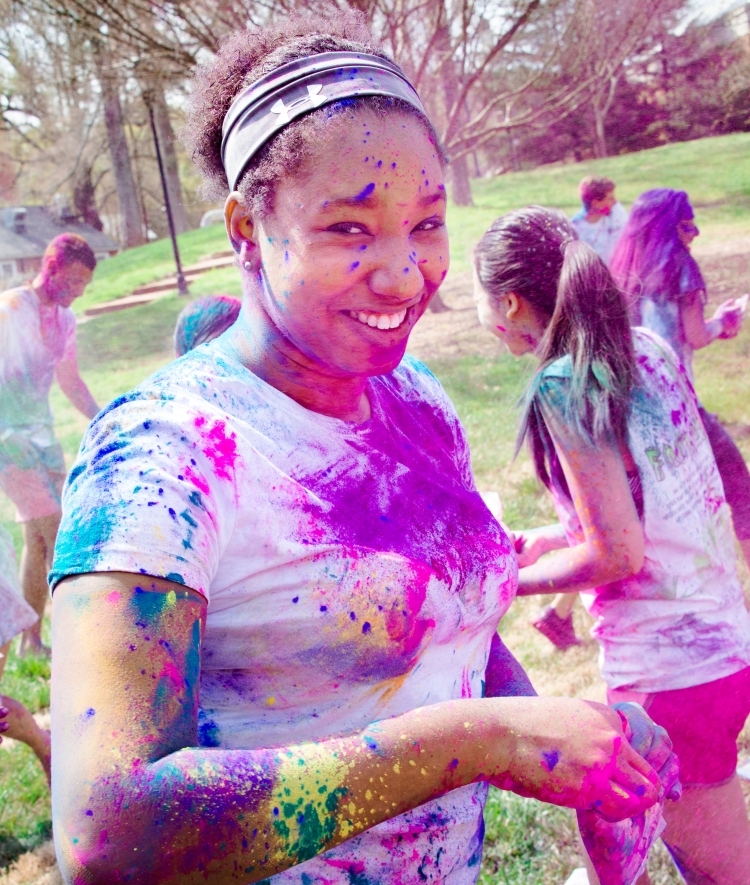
526	842
118	276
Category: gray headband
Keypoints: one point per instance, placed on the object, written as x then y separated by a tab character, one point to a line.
295	89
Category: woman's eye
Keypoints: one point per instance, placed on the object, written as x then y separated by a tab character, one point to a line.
348	227
430	224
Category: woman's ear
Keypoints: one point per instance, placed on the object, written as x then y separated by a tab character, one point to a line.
241	230
512	305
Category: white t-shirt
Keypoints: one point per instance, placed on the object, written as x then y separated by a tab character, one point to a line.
34	338
681	621
601	235
352	571
15	613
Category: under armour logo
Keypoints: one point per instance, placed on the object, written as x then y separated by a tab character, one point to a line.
313	96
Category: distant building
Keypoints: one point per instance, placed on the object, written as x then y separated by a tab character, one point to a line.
25	232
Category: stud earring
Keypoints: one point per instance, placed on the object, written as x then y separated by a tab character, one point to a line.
247	265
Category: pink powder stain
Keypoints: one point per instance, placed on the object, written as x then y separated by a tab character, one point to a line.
220	449
465	683
351	866
169	671
196	480
113	598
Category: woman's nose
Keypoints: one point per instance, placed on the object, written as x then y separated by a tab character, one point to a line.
396	273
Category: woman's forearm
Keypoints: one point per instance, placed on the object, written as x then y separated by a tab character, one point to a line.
267	810
583	567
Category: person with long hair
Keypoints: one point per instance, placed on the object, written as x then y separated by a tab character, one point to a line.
644	534
276	588
663	284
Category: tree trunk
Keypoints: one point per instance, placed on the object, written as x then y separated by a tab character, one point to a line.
130	218
460	188
600	133
169	156
84	198
459	168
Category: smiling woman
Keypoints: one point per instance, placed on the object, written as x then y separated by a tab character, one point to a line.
276	586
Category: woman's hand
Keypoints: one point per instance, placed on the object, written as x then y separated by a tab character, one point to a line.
653	743
574	753
729	318
531	544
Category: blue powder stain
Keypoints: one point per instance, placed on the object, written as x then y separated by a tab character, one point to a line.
365	192
379	163
189	519
89	813
114	446
195	498
366	628
296	599
324	608
354	265
551	759
208	731
370	742
176	577
393	165
352	616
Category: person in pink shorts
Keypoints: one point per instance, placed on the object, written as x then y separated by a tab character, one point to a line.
38	344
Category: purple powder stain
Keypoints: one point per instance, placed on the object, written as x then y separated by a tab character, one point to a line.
366	628
452	765
550	759
365	192
354	265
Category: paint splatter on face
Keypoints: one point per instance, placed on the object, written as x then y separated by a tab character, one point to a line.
344	296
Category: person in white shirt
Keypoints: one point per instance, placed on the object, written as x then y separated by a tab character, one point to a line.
602	217
37	345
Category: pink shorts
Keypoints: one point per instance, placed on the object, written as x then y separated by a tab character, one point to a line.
703	722
36	491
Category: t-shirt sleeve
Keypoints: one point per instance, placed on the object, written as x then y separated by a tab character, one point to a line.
153	492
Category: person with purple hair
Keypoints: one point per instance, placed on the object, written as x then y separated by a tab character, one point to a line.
653	266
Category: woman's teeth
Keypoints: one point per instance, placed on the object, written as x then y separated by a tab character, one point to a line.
379	320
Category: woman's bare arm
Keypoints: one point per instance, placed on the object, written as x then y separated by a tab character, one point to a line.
700	332
135	799
613	537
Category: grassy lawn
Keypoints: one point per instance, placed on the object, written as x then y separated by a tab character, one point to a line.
526	842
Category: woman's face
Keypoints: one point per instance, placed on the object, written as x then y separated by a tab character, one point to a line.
356	245
509	318
687	231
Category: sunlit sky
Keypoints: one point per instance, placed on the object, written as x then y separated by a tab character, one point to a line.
710	8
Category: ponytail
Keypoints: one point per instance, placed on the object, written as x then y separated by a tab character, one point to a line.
534	253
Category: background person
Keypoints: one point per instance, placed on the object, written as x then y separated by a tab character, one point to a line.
203	320
37	344
617	438
664	285
17	615
277	588
602	218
